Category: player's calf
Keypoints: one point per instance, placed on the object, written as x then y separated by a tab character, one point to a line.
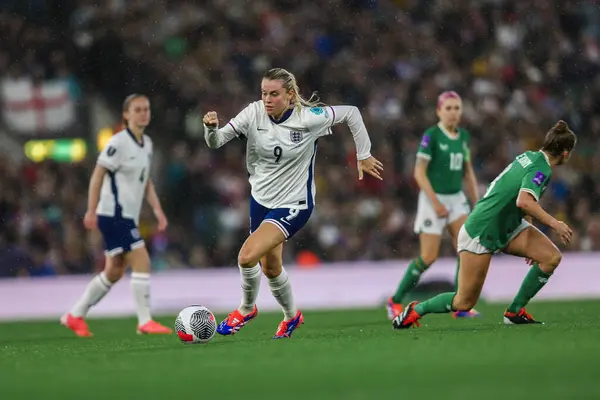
546	257
114	272
139	260
534	281
411	277
271	269
96	289
427	259
464	302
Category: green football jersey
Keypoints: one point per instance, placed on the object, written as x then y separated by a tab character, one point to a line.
446	155
496	215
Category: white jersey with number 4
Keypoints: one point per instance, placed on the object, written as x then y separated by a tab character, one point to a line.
280	155
124	185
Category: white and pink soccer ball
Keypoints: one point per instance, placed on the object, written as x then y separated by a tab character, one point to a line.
195	324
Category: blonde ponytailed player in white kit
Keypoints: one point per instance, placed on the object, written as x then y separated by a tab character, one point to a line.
118	186
281	131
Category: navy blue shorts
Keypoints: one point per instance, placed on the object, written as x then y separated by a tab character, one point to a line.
288	220
121	235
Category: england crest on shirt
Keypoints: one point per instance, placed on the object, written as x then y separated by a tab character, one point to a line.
296	136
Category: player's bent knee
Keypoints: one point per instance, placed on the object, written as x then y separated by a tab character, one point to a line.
247	258
556	259
552	263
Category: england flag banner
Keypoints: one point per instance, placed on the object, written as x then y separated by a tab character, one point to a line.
30	108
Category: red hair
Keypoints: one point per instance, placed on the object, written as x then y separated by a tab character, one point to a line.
450	94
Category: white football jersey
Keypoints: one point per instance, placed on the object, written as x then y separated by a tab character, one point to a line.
280	155
124	185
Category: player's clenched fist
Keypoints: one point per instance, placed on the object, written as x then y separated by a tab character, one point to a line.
211	119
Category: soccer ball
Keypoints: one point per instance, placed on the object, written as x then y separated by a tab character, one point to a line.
195	324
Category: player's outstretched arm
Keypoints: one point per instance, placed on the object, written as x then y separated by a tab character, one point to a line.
214	136
351	116
530	206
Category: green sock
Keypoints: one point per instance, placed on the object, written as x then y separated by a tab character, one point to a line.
533	282
410	279
456	276
440	304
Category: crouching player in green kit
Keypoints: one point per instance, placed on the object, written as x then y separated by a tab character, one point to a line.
498	224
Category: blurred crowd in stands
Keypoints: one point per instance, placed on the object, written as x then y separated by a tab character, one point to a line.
519	66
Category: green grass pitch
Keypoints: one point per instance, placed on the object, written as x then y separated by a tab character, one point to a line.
351	354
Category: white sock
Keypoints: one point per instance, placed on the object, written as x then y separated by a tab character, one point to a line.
250	288
282	291
140	285
94	292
